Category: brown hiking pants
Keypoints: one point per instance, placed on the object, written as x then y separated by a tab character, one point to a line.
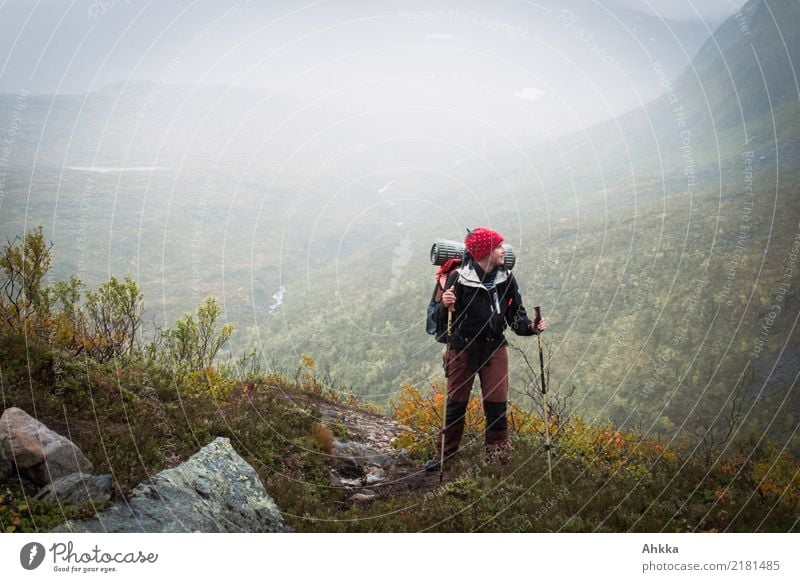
493	375
494	389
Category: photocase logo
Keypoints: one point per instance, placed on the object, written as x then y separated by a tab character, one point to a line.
31	556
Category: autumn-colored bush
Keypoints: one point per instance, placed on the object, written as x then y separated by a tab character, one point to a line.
778	478
423	414
322	437
602	447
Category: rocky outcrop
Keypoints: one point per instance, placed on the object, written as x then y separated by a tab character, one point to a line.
78	488
40	454
352	457
214	491
373	430
367	460
358	468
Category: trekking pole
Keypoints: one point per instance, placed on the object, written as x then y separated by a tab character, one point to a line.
446	375
547	446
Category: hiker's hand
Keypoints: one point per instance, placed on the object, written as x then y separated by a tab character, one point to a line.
449	298
540	327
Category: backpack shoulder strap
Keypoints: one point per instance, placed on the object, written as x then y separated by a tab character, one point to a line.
443	276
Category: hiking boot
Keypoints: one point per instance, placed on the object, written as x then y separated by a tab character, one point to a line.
498	453
432	465
451	452
498	447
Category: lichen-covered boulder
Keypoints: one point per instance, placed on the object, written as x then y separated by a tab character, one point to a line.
214	491
78	488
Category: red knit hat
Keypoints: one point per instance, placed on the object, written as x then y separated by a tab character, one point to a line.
482	241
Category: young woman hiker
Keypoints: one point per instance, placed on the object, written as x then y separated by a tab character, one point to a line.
485	300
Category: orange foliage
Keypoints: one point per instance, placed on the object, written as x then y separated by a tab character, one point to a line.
322	437
423	414
601	446
779	478
722	495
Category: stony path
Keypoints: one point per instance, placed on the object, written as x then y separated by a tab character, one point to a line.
365	430
378	432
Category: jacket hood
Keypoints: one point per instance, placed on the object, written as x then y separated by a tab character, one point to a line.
469	275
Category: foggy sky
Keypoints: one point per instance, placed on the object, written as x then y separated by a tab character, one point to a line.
579	61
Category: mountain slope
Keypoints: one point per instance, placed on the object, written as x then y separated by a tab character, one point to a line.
661	235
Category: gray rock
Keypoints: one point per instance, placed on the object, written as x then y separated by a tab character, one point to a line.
214	491
359	454
346	467
39	453
363	497
334	479
401	458
376	476
78	488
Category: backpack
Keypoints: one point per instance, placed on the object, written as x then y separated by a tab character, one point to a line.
431	325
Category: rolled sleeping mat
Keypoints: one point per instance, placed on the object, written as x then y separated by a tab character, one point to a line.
444	250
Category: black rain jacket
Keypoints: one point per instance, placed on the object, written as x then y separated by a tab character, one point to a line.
481	315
